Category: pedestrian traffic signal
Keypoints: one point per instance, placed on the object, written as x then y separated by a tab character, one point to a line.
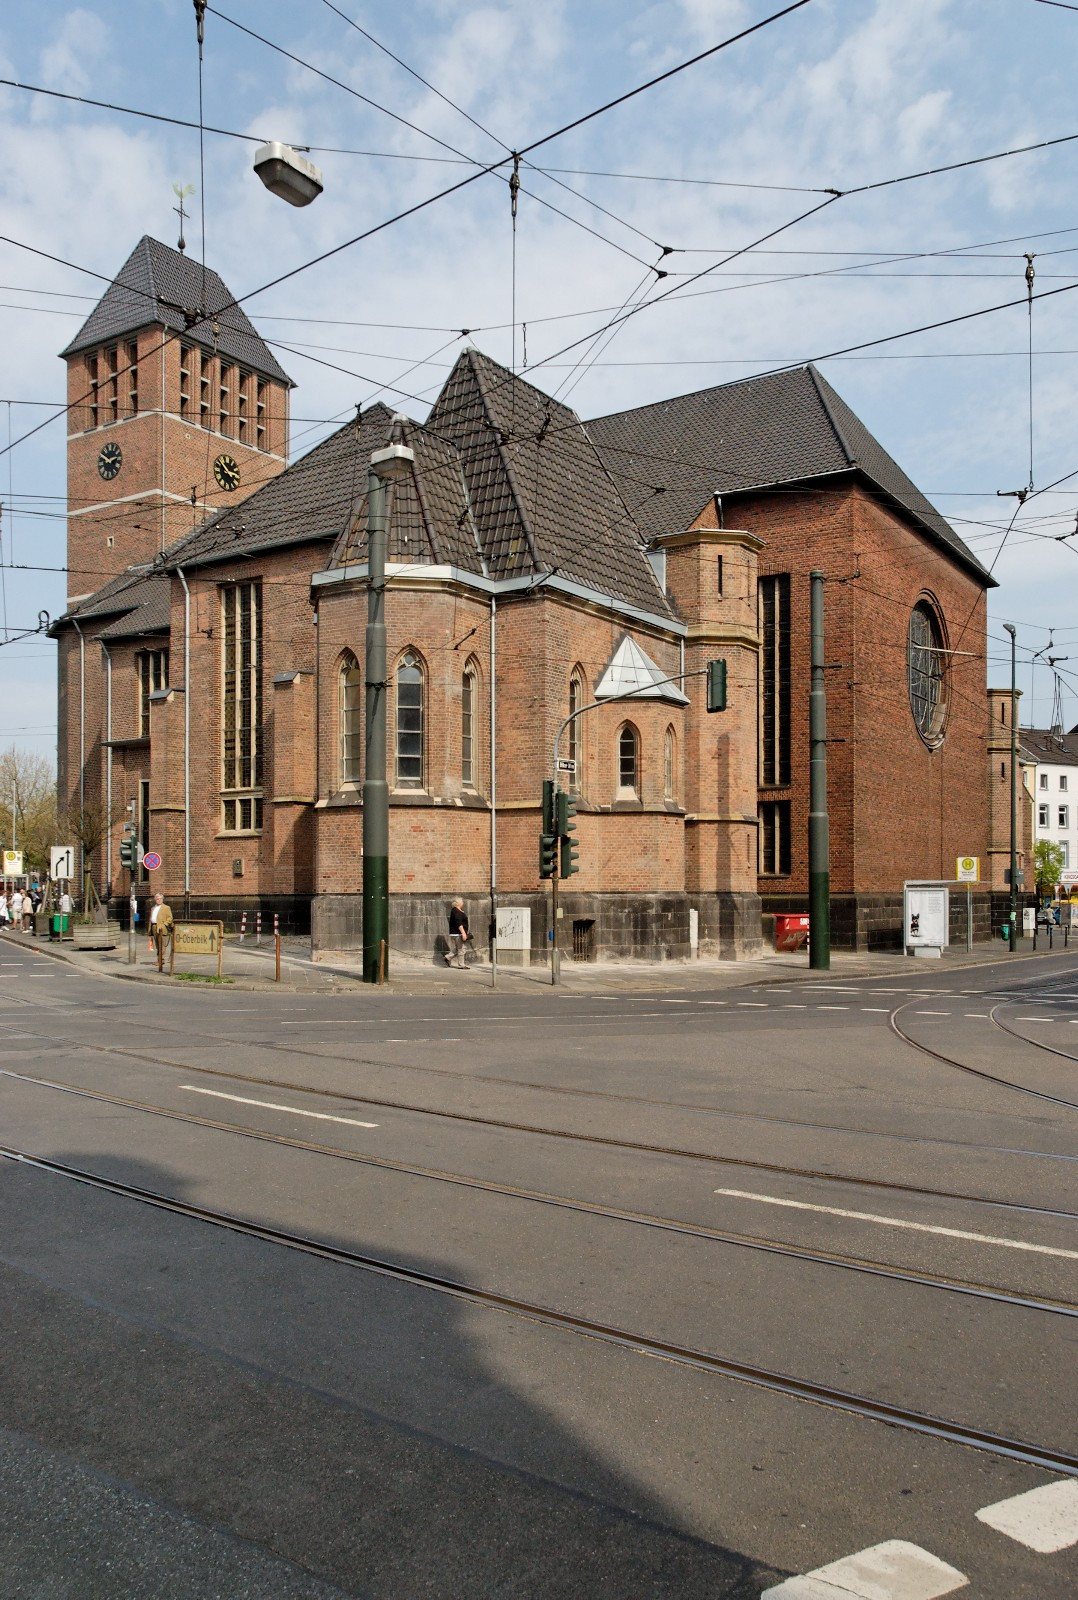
716	686
127	854
566	811
548	855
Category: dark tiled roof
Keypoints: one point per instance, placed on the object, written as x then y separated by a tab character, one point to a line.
1049	749
135	602
152	287
314	499
780	428
542	497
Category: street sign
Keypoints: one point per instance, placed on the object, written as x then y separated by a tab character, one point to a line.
968	869
565	764
12	863
62	861
151	861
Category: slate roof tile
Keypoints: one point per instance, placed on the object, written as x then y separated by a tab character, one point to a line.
779	428
150	289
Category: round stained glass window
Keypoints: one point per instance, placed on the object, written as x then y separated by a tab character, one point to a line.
926	671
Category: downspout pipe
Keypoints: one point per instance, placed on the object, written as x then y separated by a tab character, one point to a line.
493	796
82	753
108	762
186	743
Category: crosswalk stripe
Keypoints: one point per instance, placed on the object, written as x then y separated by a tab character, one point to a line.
894	1570
1044	1519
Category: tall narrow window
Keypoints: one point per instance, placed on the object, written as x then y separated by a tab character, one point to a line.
718	575
205	378
92	373
775	680
132	378
774	831
926	671
260	414
112	399
186	357
575	732
243	395
224	399
628	762
409	722
152	675
241	631
670	765
350	719
469	687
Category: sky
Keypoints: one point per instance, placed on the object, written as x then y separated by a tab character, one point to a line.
835	95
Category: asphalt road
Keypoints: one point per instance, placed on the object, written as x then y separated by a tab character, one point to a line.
676	1293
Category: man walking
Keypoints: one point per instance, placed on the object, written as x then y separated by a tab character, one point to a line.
458	934
161	928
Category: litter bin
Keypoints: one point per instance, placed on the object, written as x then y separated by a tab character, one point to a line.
58	925
791	931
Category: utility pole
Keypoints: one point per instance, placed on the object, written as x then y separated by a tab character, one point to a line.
385	465
819	838
1013	940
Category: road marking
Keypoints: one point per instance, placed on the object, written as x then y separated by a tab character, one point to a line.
673	1002
713	1002
832	1008
893	1570
1044	1519
900	1222
760	1005
793	1005
1034	1019
933	1013
982	1014
876	1008
269	1105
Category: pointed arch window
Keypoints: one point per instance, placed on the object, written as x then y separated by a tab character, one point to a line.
670	765
628	762
469	725
349	720
574	732
410	711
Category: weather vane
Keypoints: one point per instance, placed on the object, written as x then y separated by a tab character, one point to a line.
181	193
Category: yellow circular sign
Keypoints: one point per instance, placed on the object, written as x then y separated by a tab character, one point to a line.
968	863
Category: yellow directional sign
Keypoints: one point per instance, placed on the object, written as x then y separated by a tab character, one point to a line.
197	939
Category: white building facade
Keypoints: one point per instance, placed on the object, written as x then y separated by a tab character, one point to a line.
1055	793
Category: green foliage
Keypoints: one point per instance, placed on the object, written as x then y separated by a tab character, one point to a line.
1048	859
29	779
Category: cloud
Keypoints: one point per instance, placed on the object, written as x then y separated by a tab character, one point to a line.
68	60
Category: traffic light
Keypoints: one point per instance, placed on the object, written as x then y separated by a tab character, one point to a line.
548	855
128	857
548	805
566	811
716	686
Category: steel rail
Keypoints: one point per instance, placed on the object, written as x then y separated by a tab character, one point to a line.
978	1072
864	1265
1038	1044
604	1141
1044	1457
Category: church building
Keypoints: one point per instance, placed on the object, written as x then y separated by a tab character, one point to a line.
210	655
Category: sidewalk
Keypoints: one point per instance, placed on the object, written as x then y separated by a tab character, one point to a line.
251	967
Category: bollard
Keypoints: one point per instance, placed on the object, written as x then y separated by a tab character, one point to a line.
277	952
258	927
243	927
276	924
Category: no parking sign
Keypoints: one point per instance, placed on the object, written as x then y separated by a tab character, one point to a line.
151	861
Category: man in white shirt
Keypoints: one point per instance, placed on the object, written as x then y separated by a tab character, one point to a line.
16	910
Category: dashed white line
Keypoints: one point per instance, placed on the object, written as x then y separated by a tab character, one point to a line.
757	1005
884	1009
1044	1519
933	1013
894	1570
900	1222
270	1105
983	1015
713	1002
1034	1019
832	1008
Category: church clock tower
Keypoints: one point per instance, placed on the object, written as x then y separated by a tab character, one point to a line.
178	408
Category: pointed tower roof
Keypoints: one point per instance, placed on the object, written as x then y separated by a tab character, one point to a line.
632	671
153	288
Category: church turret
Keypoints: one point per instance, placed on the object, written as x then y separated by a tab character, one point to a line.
177	408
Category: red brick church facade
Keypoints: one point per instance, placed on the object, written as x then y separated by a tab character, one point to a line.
210	655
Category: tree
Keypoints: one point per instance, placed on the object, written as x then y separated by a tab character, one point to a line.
1048	858
28	780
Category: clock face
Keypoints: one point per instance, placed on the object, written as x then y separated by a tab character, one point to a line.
227	472
110	461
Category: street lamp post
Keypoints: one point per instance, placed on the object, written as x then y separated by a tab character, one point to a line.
1013	941
385	465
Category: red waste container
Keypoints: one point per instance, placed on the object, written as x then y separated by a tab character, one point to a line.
791	931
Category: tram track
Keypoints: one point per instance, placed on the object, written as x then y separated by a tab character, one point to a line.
1044	1457
568	1203
603	1141
979	1072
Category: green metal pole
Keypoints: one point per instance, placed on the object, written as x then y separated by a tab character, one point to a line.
819	841
375	787
1013	941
